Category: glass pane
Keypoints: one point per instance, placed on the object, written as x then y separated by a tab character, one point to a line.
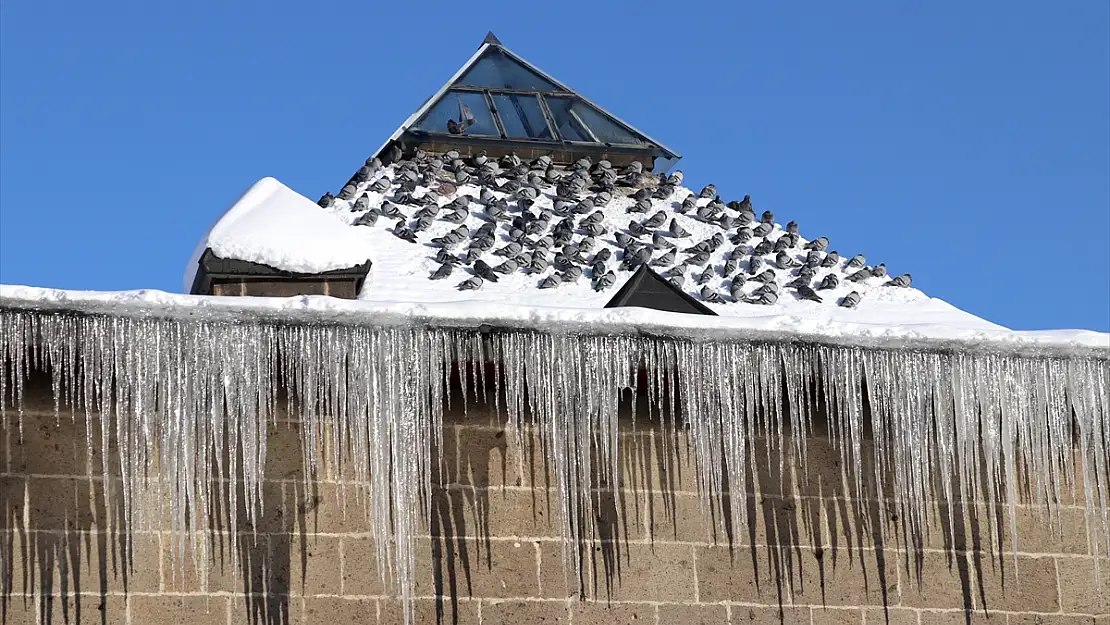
460	112
569	128
497	71
605	129
521	116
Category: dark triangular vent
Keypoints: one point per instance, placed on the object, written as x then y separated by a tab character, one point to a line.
647	289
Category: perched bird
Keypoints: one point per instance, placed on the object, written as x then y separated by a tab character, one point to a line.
496	212
766	277
661	242
603	255
708	191
706	275
860	275
443	256
656	220
831	259
764	299
813	259
830	281
404	233
743	235
390	210
509	249
807	272
470	284
604	281
767	218
782	243
755	263
902	280
362	203
762	230
819	244
792	227
677	280
786	261
769	287
746	203
507	267
539	264
677	270
572	274
800	281
485	271
879	271
676	229
422	223
485	196
481	243
550	282
715	241
637	229
731	265
688	204
726	222
736	289
711	296
443	271
665	260
745	217
702	246
850	300
806	292
367	219
763	247
857	262
381	185
699	259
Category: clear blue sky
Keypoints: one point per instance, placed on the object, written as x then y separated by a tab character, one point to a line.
965	142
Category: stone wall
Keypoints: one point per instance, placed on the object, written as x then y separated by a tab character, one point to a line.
492	553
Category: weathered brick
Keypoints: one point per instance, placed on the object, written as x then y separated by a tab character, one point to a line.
185	576
314	566
361	575
601	613
1080	589
520	612
88	609
785	615
891	616
661	572
1031	587
335	610
179	610
692	614
500	568
482	513
836	616
962	617
867	578
1055	619
941	583
491	457
425	612
746	574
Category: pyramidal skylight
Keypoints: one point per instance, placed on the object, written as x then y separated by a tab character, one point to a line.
498	99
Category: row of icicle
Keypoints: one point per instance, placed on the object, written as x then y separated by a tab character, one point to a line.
189	403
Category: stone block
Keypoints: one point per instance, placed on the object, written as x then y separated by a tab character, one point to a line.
71	609
1080	591
692	614
602	613
520	612
361	575
441	611
498	569
1029	588
179	610
863	579
892	616
335	610
785	615
314	564
491	457
946	581
745	574
1056	619
836	616
494	512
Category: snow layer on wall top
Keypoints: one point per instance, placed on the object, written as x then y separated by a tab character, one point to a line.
273	225
943	328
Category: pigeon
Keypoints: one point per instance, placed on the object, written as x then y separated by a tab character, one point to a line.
381	185
726	222
766	277
791	239
762	230
819	244
764	299
806	292
510	249
850	300
745	217
807	272
731	265
404	233
767	218
711	296
879	271
604	281
857	262
443	256
699	247
485	230
539	264
755	263
507	267
860	275
550	282
813	259
603	255
443	271
708	191
422	223
362	203
782	243
677	280
637	229
677	270
367	219
665	260
676	229
485	271
828	282
661	242
770	287
763	247
743	235
481	243
572	274
786	261
637	258
735	290
792	227
642	194
706	275
390	210
641	206
526	193
902	280
471	256
831	259
698	259
688	205
800	281
715	241
470	284
656	220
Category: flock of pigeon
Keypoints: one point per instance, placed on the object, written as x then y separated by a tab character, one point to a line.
593	221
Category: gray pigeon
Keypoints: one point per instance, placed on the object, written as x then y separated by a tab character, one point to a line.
539	264
762	230
831	259
696	248
755	263
792	227
587	244
594	230
443	256
404	233
800	281
819	244
665	260
510	249
661	242
677	280
706	275
766	277
763	247
485	271
677	270
443	271
902	280
786	261
390	210
604	281
828	282
767	218
637	228
813	259
326	200
860	275
806	292
745	217
456	216
879	271
550	282
688	204
367	219
485	196
857	262
807	272
496	211
572	274
731	265
676	230
656	220
850	300
782	243
764	299
507	267
770	287
708	191
595	217
603	255
422	223
736	290
711	296
482	243
470	284
362	203
742	235
381	185
697	260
